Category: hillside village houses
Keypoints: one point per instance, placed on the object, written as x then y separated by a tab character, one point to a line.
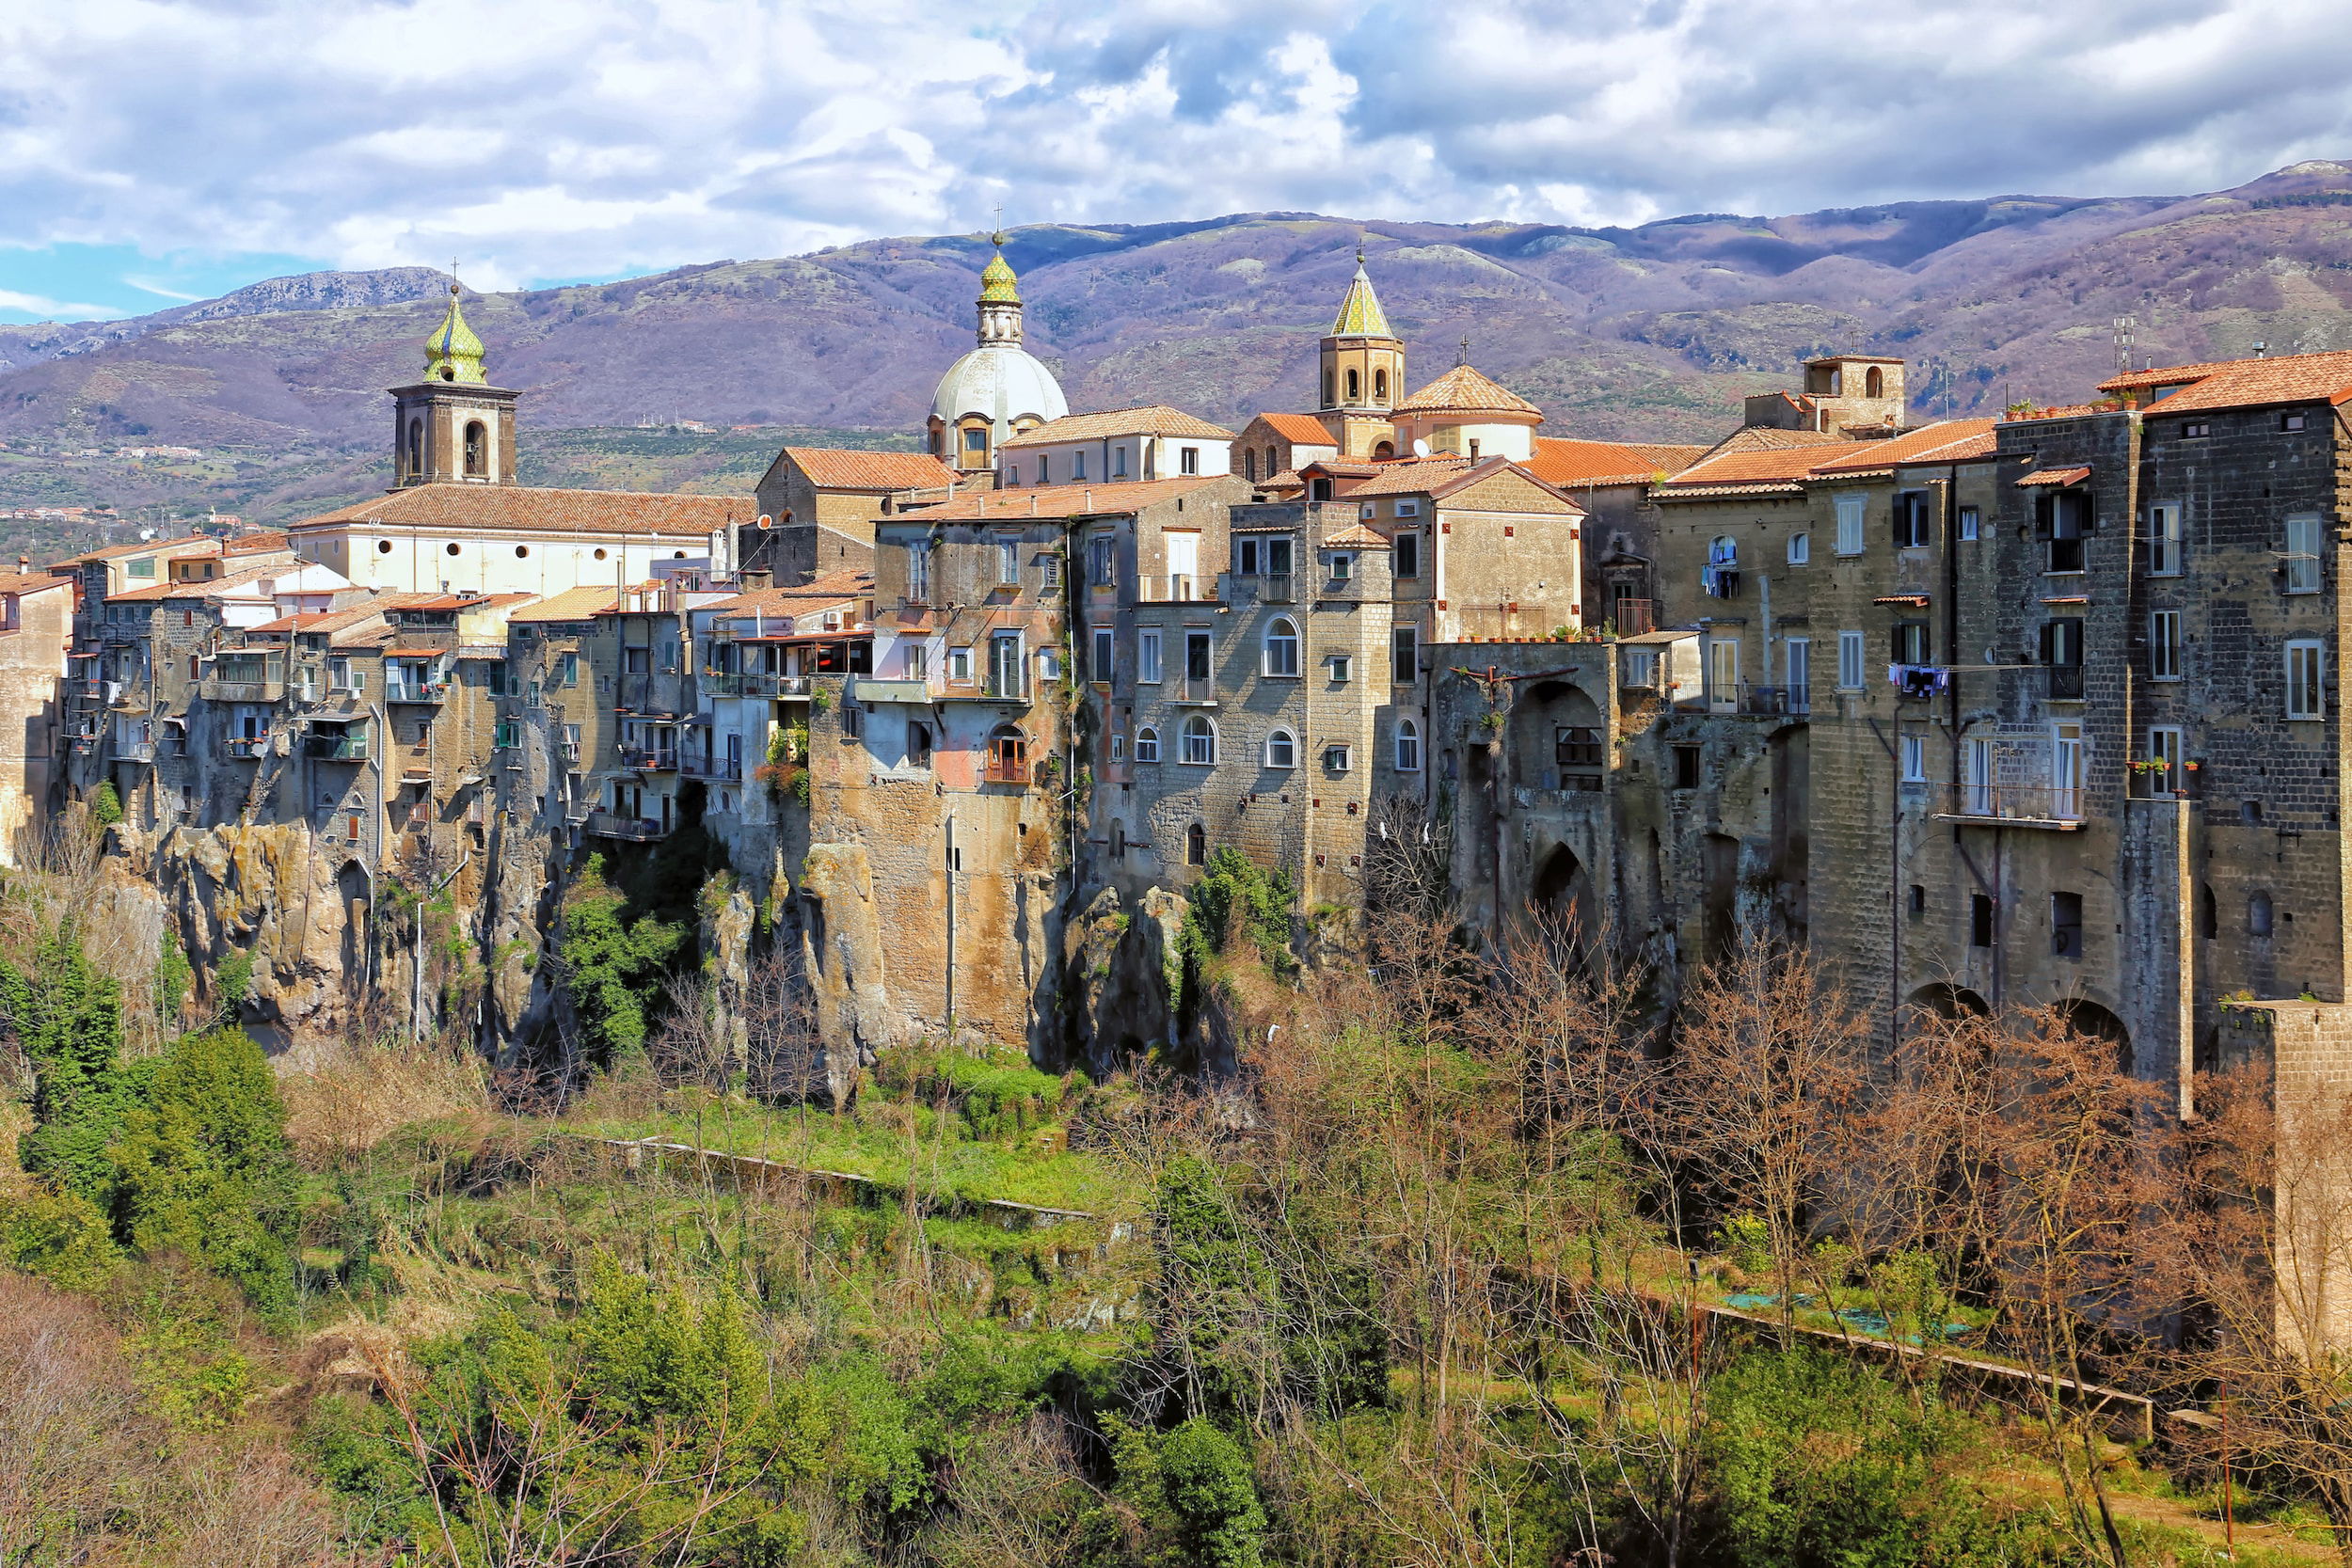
2041	710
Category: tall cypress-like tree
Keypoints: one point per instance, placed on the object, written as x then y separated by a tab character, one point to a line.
67	1020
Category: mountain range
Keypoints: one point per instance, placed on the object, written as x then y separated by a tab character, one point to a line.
1643	333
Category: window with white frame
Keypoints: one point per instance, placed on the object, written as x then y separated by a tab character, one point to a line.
1103	561
1800	650
1800	549
1343	668
1103	644
1147	656
1198	740
1407	746
2164	644
917	662
1281	750
1971	523
2164	540
2305	669
2164	752
959	664
1408	507
1337	759
919	572
1343	566
1282	647
1008	563
1914	753
1852	511
2302	558
1188	460
1849	658
1147	744
1638	668
1119	746
1404	656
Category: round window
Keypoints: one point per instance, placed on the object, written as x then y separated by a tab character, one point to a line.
522	551
383	547
599	554
452	547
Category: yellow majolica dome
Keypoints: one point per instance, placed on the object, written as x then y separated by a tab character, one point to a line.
453	352
998	284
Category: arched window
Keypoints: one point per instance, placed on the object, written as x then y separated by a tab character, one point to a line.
477	450
1281	750
1273	462
416	446
1384	452
1199	738
1355	384
1008	756
1407	746
1380	385
1326	388
1147	744
1195	845
2258	914
1282	647
1724	551
1249	464
1874	384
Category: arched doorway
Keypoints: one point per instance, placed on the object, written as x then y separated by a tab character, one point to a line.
2085	1017
1561	898
1948	1001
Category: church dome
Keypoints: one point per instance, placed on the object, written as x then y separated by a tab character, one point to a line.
1003	382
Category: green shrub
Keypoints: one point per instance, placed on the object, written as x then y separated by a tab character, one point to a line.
61	1236
105	805
68	1020
611	966
1236	896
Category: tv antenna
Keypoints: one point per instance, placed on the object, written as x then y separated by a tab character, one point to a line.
2124	325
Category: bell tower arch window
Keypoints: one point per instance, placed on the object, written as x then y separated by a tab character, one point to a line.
1354	386
415	448
1380	385
477	449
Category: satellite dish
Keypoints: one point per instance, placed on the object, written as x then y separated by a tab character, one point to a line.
1421	445
766	521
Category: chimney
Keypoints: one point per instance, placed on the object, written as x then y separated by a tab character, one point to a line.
24	566
758	581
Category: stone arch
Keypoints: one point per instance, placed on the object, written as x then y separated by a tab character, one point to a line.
1560	897
1556	735
355	892
2085	1017
1946	1000
1874	383
1719	860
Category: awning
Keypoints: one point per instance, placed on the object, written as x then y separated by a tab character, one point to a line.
2061	477
1917	601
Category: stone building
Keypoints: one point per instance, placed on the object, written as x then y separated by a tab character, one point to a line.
35	638
817	506
1115	446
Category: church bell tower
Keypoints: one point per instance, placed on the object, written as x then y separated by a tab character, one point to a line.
1363	372
453	427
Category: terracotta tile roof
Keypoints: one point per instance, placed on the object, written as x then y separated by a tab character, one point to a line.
1911	447
32	582
513	509
1438	478
2245	383
303	621
2063	411
1975	449
248	544
573	603
200	588
1059	500
1564	462
2059	477
149	546
1466	388
1358	537
1756	438
1299	430
830	589
1152	419
836	468
1783	466
1287	480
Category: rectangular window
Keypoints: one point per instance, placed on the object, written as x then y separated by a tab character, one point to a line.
1686	767
1914	753
1408	553
2164	540
1245	557
567	668
1008	563
1911	519
1343	566
1341	669
918	661
1850	512
1404	656
1044	468
2164	644
1101	673
1408	507
2066	925
1103	561
2195	429
1976	781
1184	564
1049	569
1639	668
1006	677
1911	643
1196	659
1800	675
960	664
1971	523
2062	651
1148	655
2063	517
1851	654
1722	675
1077	465
2304	671
919	572
2164	753
2066	771
1118	462
2291	422
2302	558
1188	460
1800	549
1979	920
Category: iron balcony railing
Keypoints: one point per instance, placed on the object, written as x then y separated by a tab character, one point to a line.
1632	617
247	746
1759	701
218	689
2023	804
2066	681
336	748
134	751
648	759
744	684
637	830
416	691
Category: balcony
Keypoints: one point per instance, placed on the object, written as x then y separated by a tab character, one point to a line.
1197	690
866	691
2066	682
1001	771
648	759
1181	588
336	748
1265	587
134	751
973	691
1632	617
636	829
712	770
2011	806
247	747
219	688
733	684
416	691
1760	701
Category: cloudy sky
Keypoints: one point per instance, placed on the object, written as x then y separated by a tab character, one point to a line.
152	150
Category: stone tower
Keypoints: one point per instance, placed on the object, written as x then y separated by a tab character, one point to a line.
453	427
1363	372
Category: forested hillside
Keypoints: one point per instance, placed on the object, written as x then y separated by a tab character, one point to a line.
1471	1265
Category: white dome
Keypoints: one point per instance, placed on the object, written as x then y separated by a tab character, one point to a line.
1003	381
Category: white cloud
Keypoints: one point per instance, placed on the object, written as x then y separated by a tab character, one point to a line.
536	139
42	308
